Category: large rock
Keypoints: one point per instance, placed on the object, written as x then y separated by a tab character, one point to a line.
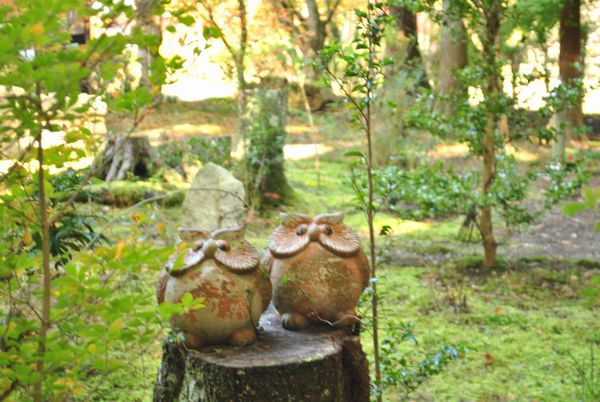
216	199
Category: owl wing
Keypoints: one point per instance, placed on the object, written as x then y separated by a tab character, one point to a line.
161	286
241	256
365	267
264	286
284	241
266	260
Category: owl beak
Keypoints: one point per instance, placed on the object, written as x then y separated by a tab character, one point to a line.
210	246
314	231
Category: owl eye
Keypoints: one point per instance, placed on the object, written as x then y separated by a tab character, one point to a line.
223	245
328	230
301	230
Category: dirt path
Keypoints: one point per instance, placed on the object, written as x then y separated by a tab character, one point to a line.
559	236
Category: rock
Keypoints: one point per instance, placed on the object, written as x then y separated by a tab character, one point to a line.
216	199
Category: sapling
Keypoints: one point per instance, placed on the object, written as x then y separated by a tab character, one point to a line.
361	75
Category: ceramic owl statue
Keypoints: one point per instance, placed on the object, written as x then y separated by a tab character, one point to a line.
318	270
225	270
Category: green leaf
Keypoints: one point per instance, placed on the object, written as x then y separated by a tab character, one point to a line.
574	208
355	154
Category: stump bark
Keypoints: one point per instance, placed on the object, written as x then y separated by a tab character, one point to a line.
126	155
319	364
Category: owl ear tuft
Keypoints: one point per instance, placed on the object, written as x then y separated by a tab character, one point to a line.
190	235
336	218
229	234
293	219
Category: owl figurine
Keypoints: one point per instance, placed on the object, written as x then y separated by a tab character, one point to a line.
318	270
224	269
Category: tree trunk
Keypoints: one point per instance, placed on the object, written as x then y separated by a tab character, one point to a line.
406	23
316	28
489	147
569	57
150	24
264	121
453	56
319	364
128	156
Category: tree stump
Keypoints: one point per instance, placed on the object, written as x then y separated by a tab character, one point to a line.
318	364
125	155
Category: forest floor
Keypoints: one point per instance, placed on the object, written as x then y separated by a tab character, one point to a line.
520	330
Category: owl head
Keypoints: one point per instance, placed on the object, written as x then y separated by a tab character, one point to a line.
298	230
226	246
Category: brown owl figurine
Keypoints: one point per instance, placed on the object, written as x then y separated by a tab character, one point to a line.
318	270
224	269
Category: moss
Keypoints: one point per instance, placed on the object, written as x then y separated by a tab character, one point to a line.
588	264
127	193
517	346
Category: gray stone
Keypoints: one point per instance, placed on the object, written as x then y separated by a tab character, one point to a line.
216	199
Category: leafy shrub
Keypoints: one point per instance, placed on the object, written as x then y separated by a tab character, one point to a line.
427	192
436	191
177	153
411	369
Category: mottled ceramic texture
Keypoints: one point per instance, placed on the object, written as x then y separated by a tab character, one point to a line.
225	270
318	270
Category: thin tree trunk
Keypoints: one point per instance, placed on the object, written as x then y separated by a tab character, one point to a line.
45	324
406	22
316	27
313	128
150	25
570	56
489	147
370	219
453	56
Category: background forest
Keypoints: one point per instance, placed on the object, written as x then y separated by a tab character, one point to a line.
460	137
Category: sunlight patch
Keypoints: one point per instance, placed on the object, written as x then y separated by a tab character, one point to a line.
305	151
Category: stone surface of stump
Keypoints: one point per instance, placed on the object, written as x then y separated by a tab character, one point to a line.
319	364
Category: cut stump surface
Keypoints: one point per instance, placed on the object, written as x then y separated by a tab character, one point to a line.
317	364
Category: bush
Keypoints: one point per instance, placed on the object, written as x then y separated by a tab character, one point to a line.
427	192
178	153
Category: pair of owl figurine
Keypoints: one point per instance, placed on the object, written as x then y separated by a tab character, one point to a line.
314	271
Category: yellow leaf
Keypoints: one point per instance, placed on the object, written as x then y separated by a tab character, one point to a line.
27	239
160	226
136	218
119	251
91	347
116	325
37	29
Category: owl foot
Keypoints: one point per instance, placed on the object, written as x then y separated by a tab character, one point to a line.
294	321
346	319
243	337
192	341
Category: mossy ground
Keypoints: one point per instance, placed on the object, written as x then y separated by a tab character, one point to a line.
521	324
